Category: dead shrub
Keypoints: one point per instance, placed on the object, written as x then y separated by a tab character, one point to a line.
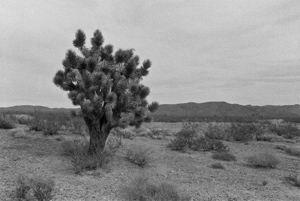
140	156
263	160
217	166
141	189
34	188
224	156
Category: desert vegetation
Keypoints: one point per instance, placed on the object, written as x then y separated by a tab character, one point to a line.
111	149
138	151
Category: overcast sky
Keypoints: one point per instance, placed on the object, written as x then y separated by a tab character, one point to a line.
238	51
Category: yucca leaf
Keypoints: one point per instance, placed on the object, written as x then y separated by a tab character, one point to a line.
80	39
98	39
59	78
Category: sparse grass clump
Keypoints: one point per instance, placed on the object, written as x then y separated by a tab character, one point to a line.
139	155
224	156
81	160
264	160
217	166
6	123
35	188
293	179
141	189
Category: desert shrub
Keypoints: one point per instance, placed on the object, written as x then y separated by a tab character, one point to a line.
243	132
263	160
217	166
184	138
23	120
293	179
78	126
159	133
36	123
206	144
34	188
178	144
280	146
287	130
215	132
141	189
139	155
78	151
50	127
224	156
18	133
6	123
294	151
124	133
188	139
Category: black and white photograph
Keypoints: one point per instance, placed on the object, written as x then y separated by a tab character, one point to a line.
161	100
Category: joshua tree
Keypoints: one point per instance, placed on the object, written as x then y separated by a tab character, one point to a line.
106	86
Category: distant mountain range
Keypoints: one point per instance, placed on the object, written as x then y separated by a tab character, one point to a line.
223	110
196	111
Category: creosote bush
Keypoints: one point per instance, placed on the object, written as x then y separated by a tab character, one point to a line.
263	160
50	127
37	122
217	166
243	132
35	188
206	144
187	138
216	132
224	156
6	123
286	130
139	155
141	189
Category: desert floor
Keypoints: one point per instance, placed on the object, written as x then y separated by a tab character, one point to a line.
190	171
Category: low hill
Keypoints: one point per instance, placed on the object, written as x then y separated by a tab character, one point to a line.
31	109
223	111
208	111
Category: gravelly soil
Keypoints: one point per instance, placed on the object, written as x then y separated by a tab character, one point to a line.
190	172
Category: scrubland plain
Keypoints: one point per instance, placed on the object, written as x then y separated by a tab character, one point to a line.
264	165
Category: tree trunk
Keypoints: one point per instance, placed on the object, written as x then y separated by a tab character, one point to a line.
98	134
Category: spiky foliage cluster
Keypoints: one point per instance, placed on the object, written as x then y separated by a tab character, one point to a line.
104	84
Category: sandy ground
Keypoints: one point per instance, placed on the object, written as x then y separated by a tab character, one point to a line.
190	172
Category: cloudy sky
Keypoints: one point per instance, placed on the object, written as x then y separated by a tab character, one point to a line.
238	51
